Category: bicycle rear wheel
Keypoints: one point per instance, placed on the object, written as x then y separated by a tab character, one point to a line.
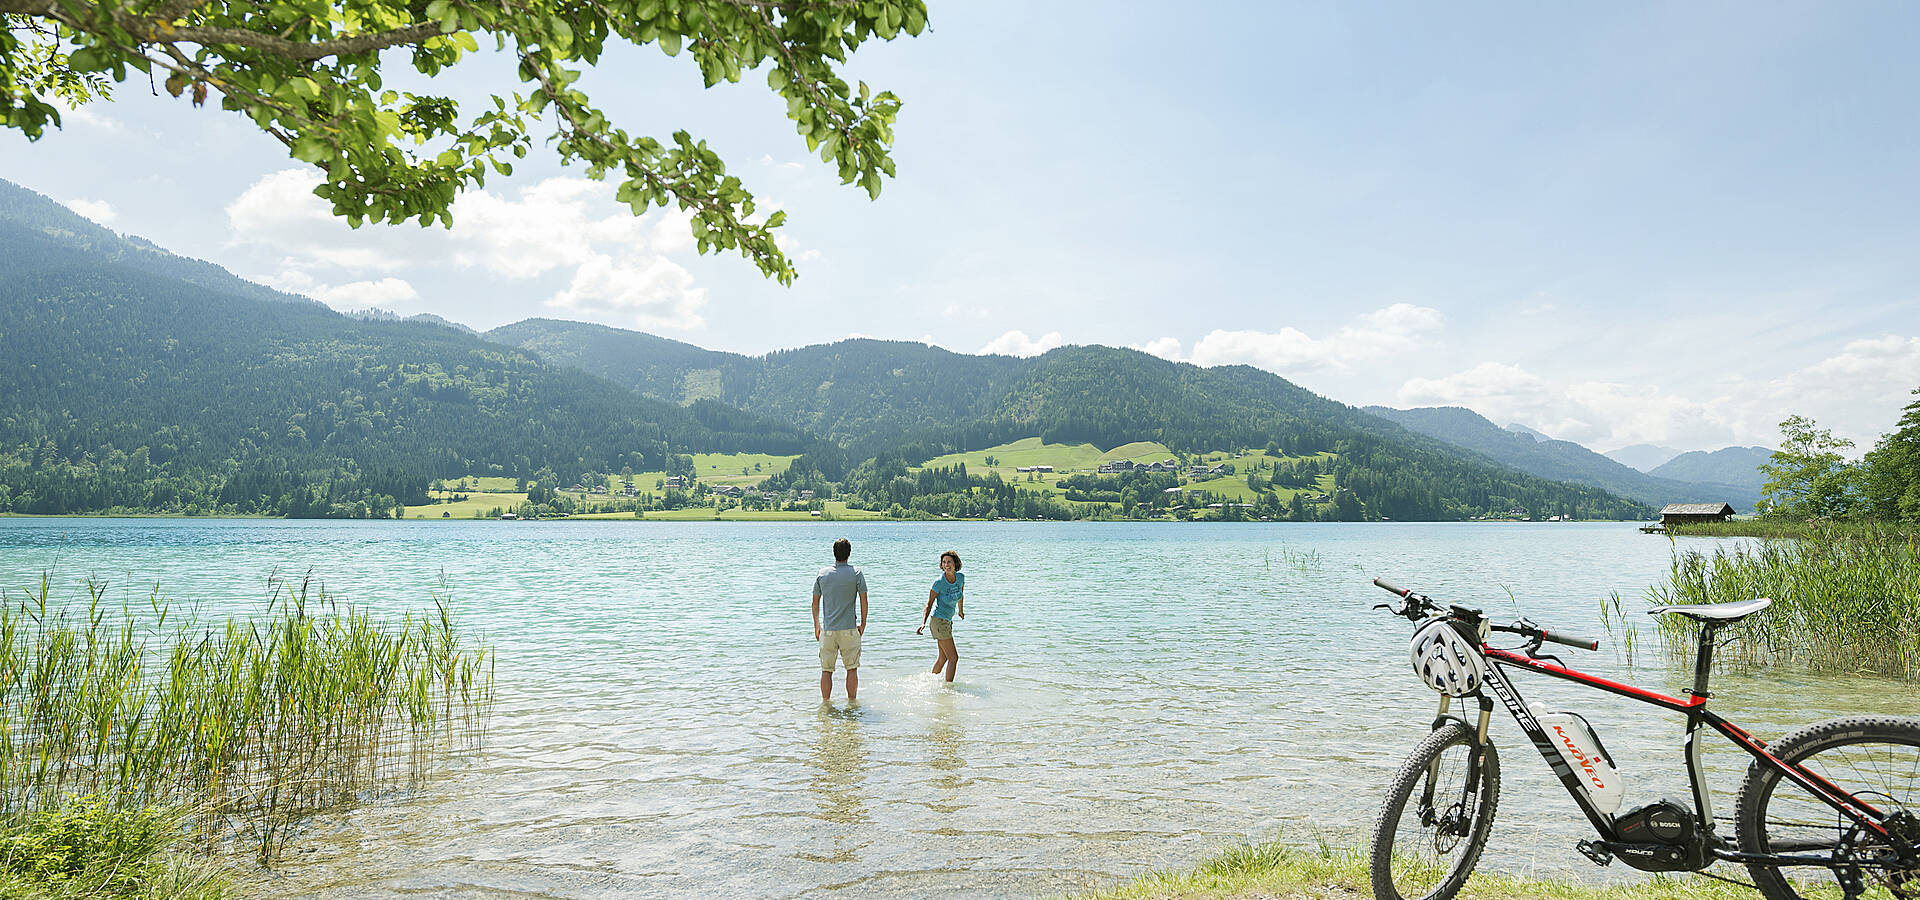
1873	758
1432	828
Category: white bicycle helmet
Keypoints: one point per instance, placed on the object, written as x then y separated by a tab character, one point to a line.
1447	662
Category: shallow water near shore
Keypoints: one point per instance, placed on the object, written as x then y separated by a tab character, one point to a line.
1131	696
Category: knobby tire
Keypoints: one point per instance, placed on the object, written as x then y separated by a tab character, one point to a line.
1422	852
1875	758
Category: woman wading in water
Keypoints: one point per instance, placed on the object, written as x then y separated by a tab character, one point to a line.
946	599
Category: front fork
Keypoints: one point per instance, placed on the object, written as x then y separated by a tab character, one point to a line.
1440	719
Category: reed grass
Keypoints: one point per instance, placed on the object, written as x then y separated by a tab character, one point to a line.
1846	599
1778	528
250	726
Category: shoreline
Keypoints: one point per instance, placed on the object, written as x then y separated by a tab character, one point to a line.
1276	871
677	520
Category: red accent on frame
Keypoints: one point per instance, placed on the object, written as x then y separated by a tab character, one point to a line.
1810	780
1813	780
1552	668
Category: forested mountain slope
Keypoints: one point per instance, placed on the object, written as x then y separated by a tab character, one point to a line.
126	388
1561	460
38	214
867	394
912	401
1737	466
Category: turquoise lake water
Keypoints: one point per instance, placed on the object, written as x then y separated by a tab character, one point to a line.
1131	696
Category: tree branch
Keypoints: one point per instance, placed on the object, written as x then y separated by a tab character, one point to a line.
158	28
160	32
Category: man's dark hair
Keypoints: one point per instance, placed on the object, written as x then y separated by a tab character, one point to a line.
842	549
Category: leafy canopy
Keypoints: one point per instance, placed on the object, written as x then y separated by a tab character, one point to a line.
1808	476
1892	479
308	72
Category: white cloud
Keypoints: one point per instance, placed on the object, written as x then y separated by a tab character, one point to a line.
280	211
615	265
796	252
1857	392
549	227
1166	348
766	159
1016	343
86	115
100	211
644	292
1374	336
387	293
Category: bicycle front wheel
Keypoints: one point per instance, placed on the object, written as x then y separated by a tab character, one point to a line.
1435	820
1875	759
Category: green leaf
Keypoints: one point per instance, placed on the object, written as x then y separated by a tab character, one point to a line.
89	59
310	149
670	42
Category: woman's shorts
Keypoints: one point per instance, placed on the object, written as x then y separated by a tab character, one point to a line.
942	628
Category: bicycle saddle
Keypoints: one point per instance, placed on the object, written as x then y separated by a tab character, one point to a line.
1725	613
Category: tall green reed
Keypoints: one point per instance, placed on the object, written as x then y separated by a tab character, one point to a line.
250	725
1846	599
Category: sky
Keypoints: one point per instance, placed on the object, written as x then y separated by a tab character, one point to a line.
1674	224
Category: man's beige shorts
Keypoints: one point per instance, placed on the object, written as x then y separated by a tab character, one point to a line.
844	644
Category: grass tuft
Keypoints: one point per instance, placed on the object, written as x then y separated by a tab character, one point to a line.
1273	870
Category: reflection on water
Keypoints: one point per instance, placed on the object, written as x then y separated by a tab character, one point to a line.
839	761
659	731
945	741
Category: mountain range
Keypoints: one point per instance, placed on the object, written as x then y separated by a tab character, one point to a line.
917	400
1567	461
141	380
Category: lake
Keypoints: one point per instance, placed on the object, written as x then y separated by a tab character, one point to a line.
1130	696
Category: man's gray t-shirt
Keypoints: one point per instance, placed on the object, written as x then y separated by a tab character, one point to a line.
840	586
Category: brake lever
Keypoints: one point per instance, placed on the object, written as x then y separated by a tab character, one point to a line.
1533	652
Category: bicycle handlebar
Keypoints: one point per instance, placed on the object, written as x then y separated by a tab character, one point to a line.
1418	606
1391	587
1569	640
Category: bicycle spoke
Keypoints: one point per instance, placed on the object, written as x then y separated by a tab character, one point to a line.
1425	845
1876	763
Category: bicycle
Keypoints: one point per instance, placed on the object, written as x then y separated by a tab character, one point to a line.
1843	795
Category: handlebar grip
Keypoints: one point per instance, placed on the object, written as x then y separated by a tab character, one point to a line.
1569	640
1388	585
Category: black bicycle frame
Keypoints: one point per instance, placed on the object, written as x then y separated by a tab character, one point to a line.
1698	718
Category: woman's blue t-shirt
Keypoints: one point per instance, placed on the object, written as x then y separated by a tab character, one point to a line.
946	596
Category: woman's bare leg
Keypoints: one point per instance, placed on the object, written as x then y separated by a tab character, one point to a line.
951	655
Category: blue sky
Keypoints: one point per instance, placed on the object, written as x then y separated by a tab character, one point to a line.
1673	224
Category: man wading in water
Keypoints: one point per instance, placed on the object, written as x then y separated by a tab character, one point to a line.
839	584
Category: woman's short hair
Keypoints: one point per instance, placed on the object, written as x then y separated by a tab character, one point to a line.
956	559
